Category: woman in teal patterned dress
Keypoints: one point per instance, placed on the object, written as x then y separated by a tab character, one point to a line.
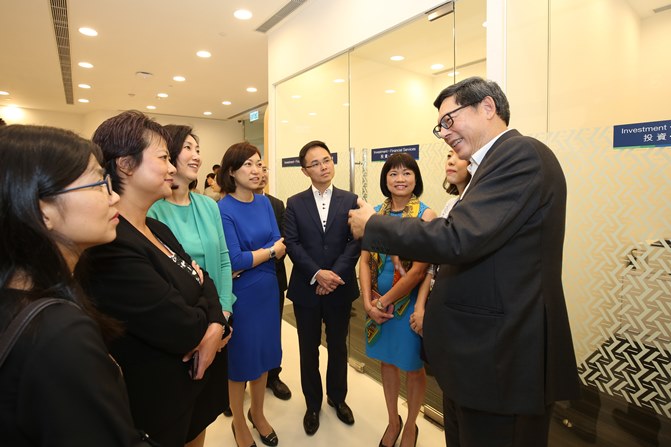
389	299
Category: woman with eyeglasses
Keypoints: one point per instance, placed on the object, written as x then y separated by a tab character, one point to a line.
194	219
254	241
389	299
169	308
58	385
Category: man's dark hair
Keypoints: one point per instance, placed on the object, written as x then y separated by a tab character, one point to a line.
308	146
473	90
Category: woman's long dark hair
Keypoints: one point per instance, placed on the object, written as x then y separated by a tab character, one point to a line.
35	163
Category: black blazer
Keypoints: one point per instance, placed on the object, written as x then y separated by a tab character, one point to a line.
165	313
310	248
280	268
59	386
496	328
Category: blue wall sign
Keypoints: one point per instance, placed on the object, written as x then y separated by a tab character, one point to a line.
652	134
381	154
253	116
295	161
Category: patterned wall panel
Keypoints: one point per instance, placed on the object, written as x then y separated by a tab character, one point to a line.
617	264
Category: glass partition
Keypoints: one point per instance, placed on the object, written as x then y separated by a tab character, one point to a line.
574	71
585	68
380	95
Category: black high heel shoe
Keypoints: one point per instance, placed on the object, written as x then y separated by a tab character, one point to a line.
236	440
270	439
400	430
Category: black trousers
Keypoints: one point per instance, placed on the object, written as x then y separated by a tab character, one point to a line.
309	328
465	427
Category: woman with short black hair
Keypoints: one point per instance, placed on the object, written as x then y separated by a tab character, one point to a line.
169	308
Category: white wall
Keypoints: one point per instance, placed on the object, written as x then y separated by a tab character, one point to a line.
70	121
215	135
335	26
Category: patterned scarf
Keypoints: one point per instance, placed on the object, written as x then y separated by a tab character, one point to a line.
376	264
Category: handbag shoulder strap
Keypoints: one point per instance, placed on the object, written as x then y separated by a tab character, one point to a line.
18	324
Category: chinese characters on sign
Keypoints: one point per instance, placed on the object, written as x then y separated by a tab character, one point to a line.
383	153
652	134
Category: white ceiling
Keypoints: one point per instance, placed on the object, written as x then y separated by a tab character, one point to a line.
156	36
645	8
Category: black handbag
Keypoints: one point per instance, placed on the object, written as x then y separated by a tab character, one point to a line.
19	324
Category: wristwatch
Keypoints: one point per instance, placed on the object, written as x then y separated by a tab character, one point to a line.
379	305
272	253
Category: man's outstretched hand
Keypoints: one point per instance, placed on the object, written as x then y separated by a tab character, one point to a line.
358	218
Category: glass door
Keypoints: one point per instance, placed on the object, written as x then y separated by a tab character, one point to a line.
380	95
394	81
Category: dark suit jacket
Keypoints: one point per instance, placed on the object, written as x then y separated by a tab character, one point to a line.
280	268
310	248
496	328
165	313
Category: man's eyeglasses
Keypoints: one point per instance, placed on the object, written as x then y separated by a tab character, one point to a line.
107	181
316	164
447	121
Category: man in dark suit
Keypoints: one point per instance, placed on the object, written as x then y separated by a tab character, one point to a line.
323	283
279	388
496	328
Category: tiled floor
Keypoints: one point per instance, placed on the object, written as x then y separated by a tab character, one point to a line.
365	397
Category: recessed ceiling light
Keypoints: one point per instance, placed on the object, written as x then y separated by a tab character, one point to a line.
226	103
203	54
251	89
295	96
84	86
242	14
312	113
390	91
13	113
162	95
85	64
151	107
453	73
484	24
179	78
88	31
397	58
437	67
345	104
338	81
3	93
207	113
83	100
143	74
284	121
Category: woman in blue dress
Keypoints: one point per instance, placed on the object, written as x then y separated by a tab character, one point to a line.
254	242
389	299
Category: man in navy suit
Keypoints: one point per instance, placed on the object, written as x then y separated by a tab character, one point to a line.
496	329
323	282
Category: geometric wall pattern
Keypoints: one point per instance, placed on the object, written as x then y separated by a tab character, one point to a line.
617	264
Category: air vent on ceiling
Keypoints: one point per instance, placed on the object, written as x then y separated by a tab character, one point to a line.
59	16
280	15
